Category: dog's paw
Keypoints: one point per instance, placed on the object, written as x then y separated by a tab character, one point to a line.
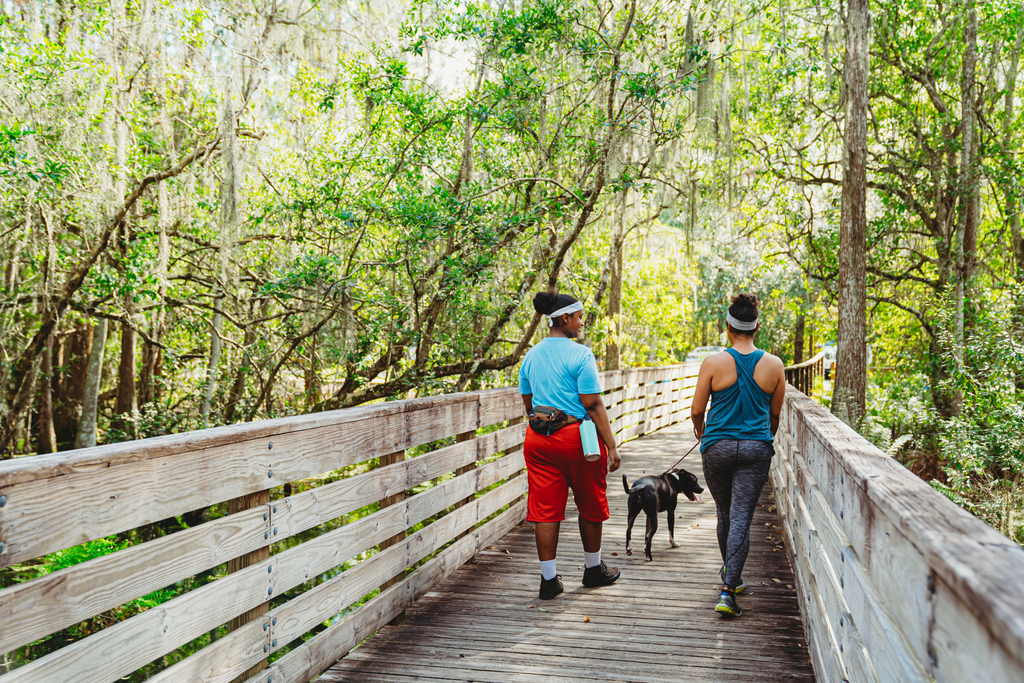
673	543
629	551
649	558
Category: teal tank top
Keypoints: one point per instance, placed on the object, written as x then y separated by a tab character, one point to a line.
740	411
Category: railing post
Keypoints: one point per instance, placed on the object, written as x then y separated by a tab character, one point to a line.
240	504
385	460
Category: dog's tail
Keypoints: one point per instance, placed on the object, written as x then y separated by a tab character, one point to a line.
625	483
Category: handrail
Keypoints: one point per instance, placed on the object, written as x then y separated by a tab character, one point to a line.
473	442
810	361
802	375
895	582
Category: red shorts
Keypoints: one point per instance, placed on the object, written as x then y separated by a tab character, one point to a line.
554	464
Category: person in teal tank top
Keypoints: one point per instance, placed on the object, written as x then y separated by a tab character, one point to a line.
746	387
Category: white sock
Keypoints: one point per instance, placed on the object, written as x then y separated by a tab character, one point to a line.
547	569
591	559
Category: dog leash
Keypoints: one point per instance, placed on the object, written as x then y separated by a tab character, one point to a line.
681	459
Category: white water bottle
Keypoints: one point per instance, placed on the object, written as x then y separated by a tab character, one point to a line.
588	435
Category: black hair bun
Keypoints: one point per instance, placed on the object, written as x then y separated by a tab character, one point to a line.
547	303
544	302
745	307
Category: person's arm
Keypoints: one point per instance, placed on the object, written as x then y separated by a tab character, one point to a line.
701	394
778	396
594	404
528	402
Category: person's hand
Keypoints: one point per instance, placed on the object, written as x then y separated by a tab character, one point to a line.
614	461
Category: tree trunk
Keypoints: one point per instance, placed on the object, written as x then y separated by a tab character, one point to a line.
1010	193
86	435
312	378
47	436
75	367
965	238
240	376
798	340
126	400
149	373
848	396
613	349
211	368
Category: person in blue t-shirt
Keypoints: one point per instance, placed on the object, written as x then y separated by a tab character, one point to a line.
746	387
559	373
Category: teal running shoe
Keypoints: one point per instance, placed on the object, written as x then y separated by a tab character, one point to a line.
727	606
740	588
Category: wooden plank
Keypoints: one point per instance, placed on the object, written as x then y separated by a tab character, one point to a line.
895	659
910	538
37	608
47	514
222	660
130	644
314	656
963	649
488	613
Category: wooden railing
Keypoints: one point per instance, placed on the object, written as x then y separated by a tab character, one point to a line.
434	511
803	375
895	582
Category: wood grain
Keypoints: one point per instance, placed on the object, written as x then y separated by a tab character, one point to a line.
656	624
37	608
874	548
128	645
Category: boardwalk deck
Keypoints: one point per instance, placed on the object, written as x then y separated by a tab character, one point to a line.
485	623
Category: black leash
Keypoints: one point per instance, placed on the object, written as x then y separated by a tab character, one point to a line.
681	459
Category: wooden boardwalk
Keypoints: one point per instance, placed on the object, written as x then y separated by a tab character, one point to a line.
656	624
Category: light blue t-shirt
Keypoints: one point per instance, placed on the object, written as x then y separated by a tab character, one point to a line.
556	371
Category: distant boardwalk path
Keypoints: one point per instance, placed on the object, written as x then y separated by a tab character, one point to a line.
656	624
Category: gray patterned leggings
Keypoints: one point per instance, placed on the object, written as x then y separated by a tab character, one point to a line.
735	472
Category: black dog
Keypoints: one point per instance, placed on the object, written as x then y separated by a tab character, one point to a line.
654	494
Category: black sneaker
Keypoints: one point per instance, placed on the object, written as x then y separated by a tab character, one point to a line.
549	588
600	575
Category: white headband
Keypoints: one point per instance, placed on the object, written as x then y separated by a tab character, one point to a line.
571	308
740	324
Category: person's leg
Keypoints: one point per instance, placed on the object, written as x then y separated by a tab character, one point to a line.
546	534
754	458
590	491
590	534
717	463
545	505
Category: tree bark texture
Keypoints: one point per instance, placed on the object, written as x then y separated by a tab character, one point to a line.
851	375
613	349
1012	208
798	340
211	368
125	403
86	434
47	436
74	369
965	237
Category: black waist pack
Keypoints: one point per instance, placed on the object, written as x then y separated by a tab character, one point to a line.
547	420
